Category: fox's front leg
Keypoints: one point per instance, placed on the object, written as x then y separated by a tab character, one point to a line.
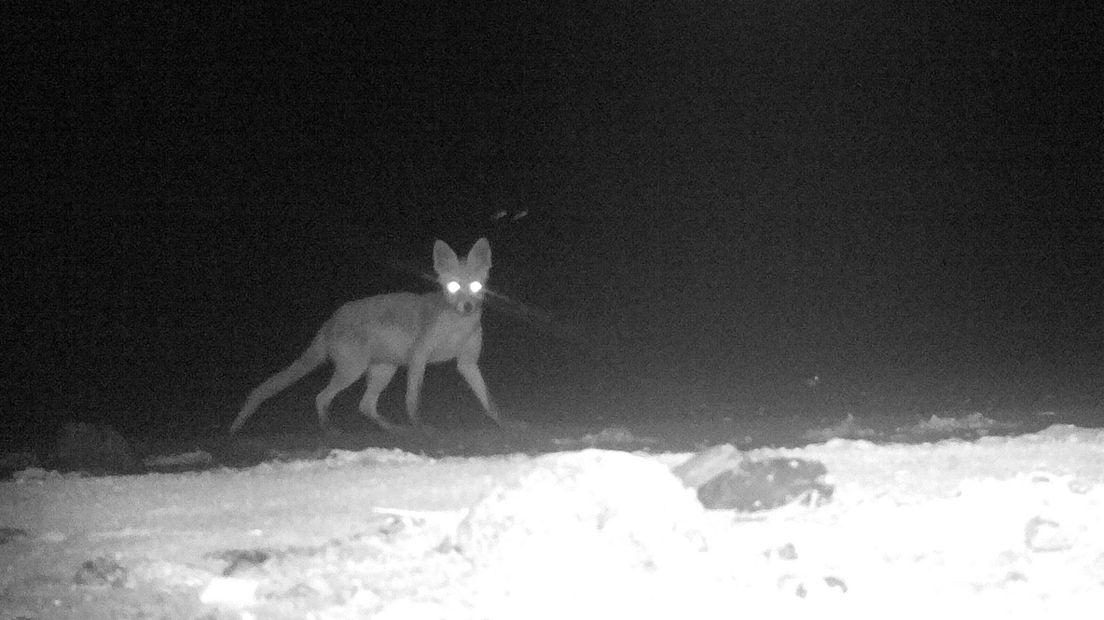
467	362
415	372
471	373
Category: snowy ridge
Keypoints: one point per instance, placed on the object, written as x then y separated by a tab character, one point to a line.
998	526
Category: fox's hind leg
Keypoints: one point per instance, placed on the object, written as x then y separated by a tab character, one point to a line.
379	375
349	365
339	381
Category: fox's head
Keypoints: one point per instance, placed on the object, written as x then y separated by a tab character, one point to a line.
463	282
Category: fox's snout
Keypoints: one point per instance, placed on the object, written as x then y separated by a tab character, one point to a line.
464	298
466	306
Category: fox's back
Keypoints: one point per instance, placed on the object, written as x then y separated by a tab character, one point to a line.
386	327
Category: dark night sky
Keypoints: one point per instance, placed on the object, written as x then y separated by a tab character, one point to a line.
718	196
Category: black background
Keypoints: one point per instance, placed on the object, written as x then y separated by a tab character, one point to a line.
704	202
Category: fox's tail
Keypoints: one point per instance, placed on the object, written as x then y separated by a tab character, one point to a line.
312	358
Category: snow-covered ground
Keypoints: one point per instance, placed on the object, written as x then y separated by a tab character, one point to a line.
1006	527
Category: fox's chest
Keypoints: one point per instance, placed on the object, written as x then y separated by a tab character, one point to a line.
449	336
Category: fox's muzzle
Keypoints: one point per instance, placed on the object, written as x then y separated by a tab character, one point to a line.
466	306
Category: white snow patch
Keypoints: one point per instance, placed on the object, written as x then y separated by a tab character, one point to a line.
975	422
185	459
230	592
996	527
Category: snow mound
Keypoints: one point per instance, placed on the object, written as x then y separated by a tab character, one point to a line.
581	526
609	436
973	425
848	428
568	505
973	422
1066	433
380	456
195	459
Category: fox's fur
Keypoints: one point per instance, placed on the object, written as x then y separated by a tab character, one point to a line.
376	335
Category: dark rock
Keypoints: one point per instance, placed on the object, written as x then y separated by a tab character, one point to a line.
242	559
8	534
760	485
96	449
101	571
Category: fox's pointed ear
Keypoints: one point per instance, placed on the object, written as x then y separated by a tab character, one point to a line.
480	254
444	259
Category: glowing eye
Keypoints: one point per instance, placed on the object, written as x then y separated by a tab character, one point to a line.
452	287
475	287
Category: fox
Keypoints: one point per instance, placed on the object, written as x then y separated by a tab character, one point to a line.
376	335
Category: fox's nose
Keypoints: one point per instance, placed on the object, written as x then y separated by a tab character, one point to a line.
465	307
